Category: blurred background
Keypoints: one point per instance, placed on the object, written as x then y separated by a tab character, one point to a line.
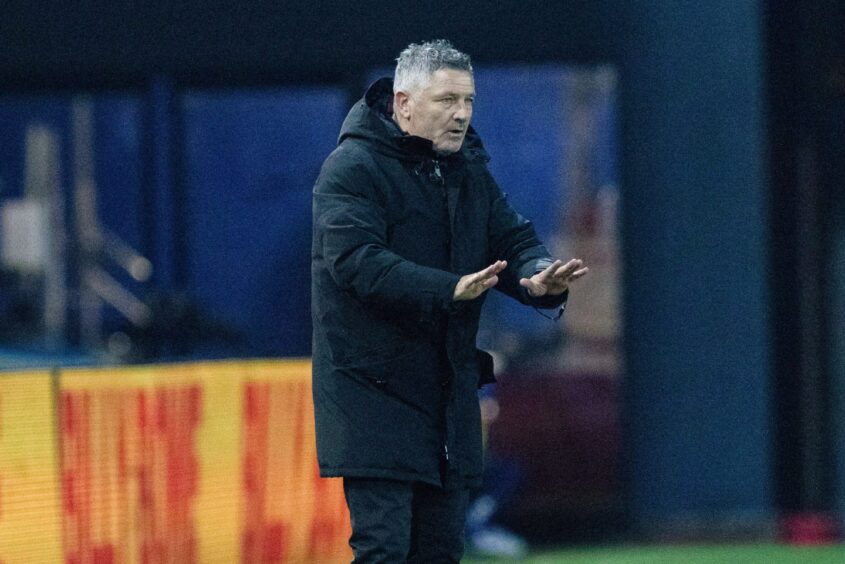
156	165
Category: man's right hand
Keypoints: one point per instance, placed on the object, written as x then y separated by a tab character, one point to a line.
473	285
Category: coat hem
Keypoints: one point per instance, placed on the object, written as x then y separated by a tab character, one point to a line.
469	481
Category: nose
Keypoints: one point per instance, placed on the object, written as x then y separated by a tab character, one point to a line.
462	113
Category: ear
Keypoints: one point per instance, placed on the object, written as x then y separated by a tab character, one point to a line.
402	104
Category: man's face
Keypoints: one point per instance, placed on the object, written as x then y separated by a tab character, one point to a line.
442	110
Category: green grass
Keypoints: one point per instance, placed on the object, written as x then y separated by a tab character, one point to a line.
715	554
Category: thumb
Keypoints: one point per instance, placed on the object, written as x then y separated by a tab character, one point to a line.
533	288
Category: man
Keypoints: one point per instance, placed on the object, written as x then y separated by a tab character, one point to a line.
410	231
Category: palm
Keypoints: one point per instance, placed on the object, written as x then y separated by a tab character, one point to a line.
555	279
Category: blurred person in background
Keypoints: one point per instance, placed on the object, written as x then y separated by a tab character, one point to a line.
500	483
410	231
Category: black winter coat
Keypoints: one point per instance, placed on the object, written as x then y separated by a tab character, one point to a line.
395	368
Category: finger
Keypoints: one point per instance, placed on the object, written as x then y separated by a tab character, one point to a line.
480	276
490	282
483	286
548	271
500	265
579	273
534	289
491	270
567	269
557	285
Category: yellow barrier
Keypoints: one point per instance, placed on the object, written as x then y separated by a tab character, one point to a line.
206	462
30	513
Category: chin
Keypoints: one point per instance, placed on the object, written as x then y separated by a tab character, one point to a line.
448	149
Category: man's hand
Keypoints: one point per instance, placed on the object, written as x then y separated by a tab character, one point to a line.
555	279
473	285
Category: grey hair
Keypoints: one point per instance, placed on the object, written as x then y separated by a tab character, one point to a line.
417	63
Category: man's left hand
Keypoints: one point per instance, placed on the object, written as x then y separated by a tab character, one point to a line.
555	279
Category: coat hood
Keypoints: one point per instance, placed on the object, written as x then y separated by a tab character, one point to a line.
370	119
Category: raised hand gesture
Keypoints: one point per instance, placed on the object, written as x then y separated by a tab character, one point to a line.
555	279
473	285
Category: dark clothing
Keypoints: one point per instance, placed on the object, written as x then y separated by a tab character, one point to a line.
395	368
394	521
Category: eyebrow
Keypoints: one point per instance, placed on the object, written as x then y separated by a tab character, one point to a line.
449	94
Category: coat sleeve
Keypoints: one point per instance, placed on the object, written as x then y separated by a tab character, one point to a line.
350	231
513	239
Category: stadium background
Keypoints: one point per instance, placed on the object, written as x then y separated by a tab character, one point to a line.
728	139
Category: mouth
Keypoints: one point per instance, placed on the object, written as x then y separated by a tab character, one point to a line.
456	132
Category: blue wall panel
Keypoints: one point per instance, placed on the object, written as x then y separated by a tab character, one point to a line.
519	116
116	164
251	159
16	113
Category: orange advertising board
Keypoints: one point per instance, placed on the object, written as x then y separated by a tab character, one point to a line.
206	462
290	513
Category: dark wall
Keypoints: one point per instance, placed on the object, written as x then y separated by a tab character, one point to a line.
695	247
693	165
806	85
215	41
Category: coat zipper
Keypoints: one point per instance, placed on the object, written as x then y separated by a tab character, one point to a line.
437	176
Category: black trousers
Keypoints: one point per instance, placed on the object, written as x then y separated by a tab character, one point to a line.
395	522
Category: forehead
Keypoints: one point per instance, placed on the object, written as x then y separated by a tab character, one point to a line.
452	81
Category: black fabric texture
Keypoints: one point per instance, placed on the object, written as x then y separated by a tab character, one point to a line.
395	368
395	521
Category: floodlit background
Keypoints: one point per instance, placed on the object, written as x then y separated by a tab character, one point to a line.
156	165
